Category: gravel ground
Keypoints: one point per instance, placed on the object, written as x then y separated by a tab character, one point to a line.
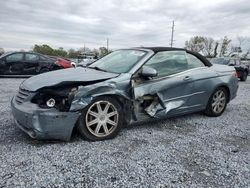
188	151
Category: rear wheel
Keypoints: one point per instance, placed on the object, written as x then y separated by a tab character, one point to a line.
244	76
217	102
101	120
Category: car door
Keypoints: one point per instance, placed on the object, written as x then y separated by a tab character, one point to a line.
170	91
14	64
203	78
31	62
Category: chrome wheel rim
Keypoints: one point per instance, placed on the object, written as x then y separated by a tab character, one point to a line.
101	118
219	101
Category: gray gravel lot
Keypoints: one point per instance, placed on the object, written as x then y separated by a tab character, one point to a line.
187	151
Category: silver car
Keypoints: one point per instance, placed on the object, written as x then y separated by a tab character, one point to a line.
125	86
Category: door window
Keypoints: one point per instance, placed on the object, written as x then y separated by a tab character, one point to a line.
194	62
31	57
14	57
43	58
169	62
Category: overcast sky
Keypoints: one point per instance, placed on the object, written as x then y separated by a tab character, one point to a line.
127	23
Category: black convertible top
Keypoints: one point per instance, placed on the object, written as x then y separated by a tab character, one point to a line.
161	49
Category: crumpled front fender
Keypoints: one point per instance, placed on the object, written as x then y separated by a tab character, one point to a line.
86	94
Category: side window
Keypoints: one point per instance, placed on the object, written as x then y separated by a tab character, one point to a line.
194	62
14	57
168	62
31	57
43	58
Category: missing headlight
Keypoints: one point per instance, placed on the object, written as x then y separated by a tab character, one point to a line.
55	98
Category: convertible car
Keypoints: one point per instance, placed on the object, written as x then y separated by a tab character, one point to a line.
123	87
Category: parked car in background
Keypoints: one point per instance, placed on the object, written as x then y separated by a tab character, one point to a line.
241	69
62	62
85	62
26	64
125	86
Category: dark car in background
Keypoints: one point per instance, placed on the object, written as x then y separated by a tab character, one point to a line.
241	69
26	64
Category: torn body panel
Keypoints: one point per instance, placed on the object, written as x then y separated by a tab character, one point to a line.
168	94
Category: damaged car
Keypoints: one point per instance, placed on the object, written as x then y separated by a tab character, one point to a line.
123	87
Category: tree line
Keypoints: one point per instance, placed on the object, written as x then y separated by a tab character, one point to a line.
71	53
211	48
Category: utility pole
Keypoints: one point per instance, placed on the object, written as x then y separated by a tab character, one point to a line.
108	44
172	35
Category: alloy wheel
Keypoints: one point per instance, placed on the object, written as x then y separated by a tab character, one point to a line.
101	118
219	101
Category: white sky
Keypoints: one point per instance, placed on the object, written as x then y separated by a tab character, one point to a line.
127	23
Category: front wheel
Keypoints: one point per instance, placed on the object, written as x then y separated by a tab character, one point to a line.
101	120
217	102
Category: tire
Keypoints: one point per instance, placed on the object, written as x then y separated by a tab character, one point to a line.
95	125
244	76
43	70
216	106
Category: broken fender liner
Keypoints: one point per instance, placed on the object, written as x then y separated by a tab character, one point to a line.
86	94
158	105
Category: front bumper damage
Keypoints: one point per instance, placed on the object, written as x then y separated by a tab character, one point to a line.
41	123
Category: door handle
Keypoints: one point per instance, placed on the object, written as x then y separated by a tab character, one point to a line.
186	78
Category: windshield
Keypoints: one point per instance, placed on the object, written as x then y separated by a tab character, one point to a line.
120	61
7	53
221	61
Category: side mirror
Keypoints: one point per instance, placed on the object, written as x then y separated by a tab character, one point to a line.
73	64
148	72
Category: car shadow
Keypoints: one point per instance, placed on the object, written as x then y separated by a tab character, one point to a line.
177	124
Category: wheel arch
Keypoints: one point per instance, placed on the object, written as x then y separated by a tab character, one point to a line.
226	88
124	101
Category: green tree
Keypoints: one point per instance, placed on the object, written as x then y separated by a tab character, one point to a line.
103	51
60	52
44	49
47	50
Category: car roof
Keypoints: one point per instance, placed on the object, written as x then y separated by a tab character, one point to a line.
161	49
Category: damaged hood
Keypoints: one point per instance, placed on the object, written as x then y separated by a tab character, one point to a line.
66	76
